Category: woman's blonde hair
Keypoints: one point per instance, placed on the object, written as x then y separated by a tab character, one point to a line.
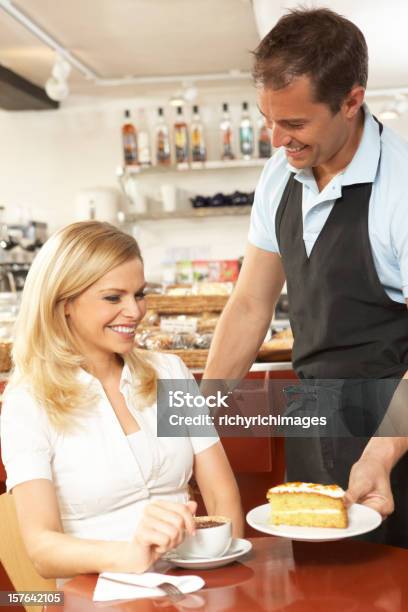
44	353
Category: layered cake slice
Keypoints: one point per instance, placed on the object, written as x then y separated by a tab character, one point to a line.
307	505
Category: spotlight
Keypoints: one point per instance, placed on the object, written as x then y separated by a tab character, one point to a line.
61	69
388	112
190	91
56	90
177	100
401	104
56	86
395	108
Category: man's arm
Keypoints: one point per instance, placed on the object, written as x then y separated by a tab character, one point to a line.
369	481
247	315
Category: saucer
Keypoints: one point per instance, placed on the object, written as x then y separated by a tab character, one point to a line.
361	520
239	547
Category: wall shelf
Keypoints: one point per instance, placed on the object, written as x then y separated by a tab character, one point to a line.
131	178
194	213
193	166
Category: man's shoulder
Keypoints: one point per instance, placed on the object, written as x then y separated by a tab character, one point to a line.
394	155
276	166
272	182
391	199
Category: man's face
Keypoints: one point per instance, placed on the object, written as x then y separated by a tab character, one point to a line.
309	132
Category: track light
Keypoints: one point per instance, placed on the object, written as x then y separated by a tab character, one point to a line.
56	90
395	108
61	69
56	86
177	100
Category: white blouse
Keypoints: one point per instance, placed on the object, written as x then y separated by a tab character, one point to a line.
102	485
140	447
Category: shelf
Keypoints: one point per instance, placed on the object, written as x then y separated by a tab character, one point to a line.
193	166
194	213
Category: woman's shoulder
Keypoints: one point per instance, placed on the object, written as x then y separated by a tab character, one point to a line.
19	399
22	418
168	365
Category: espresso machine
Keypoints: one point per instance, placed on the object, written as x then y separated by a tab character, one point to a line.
19	244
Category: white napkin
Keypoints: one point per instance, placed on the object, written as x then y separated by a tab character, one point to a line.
141	585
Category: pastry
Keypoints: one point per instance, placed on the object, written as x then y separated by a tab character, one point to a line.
307	504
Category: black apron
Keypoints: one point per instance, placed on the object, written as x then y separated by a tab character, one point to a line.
346	329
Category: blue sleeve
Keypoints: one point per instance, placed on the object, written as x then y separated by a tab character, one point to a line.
399	233
268	195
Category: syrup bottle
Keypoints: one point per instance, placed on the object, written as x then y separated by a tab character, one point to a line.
226	134
181	138
129	141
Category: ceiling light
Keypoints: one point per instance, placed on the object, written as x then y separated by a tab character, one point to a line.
401	104
394	109
56	90
57	86
190	91
388	113
177	100
61	69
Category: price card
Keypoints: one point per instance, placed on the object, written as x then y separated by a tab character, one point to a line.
179	325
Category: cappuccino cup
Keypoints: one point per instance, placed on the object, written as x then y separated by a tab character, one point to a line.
213	538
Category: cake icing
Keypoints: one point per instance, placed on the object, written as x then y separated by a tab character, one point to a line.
308	487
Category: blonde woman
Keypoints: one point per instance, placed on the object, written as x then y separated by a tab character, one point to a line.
94	487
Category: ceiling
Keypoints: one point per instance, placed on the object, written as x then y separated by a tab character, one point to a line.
384	24
118	38
144	38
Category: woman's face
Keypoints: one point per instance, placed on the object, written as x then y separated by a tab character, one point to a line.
103	319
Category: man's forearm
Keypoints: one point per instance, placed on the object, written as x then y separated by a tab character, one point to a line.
386	450
238	336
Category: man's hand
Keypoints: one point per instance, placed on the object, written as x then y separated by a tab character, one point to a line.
369	484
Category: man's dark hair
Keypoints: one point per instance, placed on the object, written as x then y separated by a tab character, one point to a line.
318	43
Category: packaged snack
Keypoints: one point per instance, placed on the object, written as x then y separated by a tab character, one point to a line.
203	341
184	271
200	270
183	341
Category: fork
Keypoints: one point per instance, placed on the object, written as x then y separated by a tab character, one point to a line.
173	592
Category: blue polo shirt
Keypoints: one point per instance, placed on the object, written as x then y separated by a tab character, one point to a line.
388	209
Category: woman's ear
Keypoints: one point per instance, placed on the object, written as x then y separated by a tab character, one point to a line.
67	308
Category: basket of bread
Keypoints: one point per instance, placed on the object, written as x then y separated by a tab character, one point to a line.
278	348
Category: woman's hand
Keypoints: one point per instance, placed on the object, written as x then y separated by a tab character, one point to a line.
161	528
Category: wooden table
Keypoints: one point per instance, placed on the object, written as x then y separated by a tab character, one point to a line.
342	576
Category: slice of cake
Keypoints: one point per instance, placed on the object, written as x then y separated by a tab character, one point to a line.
307	505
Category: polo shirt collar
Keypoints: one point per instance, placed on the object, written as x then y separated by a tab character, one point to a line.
363	166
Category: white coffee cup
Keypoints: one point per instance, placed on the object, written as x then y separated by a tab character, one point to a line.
208	542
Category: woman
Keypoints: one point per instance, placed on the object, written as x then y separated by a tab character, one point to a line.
94	487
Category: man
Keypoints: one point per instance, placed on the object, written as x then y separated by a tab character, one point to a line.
329	216
371	474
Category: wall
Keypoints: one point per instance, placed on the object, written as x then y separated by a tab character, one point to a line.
48	157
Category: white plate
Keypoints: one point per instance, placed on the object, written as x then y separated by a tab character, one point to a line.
361	520
239	547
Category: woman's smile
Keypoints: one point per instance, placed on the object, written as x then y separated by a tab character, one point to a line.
126	331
